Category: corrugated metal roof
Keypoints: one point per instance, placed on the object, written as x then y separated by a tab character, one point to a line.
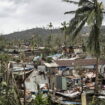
79	62
51	64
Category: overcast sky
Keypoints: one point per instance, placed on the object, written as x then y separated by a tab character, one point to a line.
17	15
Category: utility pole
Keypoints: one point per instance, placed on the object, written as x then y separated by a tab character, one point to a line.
24	85
83	98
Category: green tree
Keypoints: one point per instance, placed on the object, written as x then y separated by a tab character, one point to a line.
33	43
3	43
40	100
89	12
8	89
57	42
50	37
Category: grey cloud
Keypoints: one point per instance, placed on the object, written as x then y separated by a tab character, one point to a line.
19	1
9	7
46	11
30	13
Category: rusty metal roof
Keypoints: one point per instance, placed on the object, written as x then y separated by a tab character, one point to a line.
79	62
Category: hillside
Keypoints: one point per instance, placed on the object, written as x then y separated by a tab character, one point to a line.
27	34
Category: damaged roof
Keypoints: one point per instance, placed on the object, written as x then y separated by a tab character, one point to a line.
80	62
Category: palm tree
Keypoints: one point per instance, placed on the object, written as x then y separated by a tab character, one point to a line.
33	43
64	28
89	12
50	25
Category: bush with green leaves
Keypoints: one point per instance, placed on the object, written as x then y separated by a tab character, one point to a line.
97	101
40	100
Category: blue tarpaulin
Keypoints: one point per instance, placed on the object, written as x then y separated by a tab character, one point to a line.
70	103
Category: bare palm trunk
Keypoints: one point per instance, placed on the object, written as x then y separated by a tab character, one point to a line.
65	37
97	73
49	87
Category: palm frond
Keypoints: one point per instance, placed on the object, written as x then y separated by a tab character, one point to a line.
91	18
84	9
71	1
80	26
81	10
70	12
77	20
82	2
99	15
93	41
